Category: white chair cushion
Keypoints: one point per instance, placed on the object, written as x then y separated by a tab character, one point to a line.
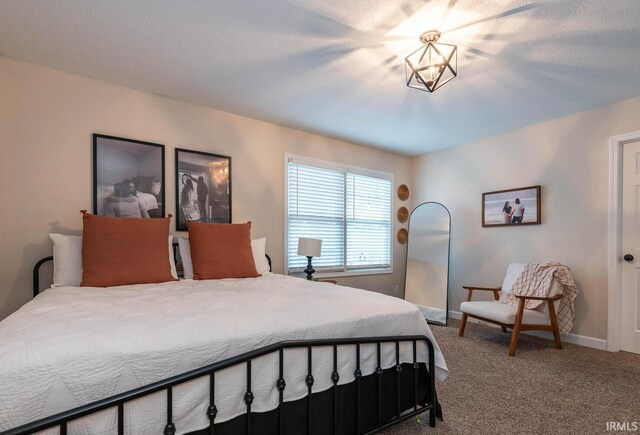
513	272
503	313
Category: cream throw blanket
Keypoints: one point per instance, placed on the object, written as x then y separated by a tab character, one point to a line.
536	280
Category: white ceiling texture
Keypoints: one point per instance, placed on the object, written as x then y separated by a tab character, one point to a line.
336	67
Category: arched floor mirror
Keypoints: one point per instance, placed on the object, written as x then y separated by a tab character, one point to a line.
427	274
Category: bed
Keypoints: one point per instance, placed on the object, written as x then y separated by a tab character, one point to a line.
273	354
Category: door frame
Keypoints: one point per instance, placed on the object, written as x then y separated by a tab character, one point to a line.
614	327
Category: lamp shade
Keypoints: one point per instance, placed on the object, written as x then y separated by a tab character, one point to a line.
309	247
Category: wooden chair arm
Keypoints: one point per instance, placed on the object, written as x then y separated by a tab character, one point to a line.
539	298
495	290
491	289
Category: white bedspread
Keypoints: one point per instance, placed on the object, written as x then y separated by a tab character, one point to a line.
71	346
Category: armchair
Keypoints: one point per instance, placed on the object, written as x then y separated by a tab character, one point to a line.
509	316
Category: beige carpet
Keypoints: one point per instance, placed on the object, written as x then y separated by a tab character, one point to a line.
541	390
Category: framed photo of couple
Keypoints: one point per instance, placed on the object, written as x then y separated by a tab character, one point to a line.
203	188
128	178
511	207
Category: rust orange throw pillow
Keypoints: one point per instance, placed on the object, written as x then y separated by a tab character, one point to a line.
120	251
221	250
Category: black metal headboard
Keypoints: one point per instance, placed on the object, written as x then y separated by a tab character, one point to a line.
36	274
36	269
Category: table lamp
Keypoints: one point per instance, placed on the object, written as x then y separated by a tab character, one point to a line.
309	248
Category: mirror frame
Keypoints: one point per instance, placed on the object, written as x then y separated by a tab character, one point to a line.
431	322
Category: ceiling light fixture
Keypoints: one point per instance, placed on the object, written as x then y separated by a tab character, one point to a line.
432	65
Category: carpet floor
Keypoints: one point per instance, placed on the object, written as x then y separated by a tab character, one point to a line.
541	390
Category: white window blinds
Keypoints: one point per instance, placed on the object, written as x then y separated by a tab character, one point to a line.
368	222
348	211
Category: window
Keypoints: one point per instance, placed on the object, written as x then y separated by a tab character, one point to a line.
348	208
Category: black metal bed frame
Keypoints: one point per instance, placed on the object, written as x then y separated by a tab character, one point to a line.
118	401
62	419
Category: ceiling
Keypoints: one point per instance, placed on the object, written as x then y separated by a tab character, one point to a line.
335	67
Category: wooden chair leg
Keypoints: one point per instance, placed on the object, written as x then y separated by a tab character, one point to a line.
463	320
554	324
463	324
515	335
496	297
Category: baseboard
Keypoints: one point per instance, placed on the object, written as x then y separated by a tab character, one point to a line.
580	340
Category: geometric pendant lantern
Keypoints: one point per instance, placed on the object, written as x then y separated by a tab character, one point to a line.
432	65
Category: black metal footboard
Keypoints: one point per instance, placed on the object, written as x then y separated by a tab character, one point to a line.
119	401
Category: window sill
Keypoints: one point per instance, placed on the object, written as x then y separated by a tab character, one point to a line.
323	275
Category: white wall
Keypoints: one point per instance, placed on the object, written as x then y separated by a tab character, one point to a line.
569	157
46	121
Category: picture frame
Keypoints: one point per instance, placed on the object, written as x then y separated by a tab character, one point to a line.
512	207
203	187
128	177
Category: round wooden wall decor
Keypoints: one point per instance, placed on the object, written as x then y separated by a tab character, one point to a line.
403	214
403	192
403	235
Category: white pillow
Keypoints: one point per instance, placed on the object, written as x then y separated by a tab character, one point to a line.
185	257
172	258
156	187
103	192
258	246
67	260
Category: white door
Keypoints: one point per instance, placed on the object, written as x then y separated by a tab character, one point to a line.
630	298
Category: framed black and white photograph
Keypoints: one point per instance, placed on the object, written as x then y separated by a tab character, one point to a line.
128	178
511	207
203	188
